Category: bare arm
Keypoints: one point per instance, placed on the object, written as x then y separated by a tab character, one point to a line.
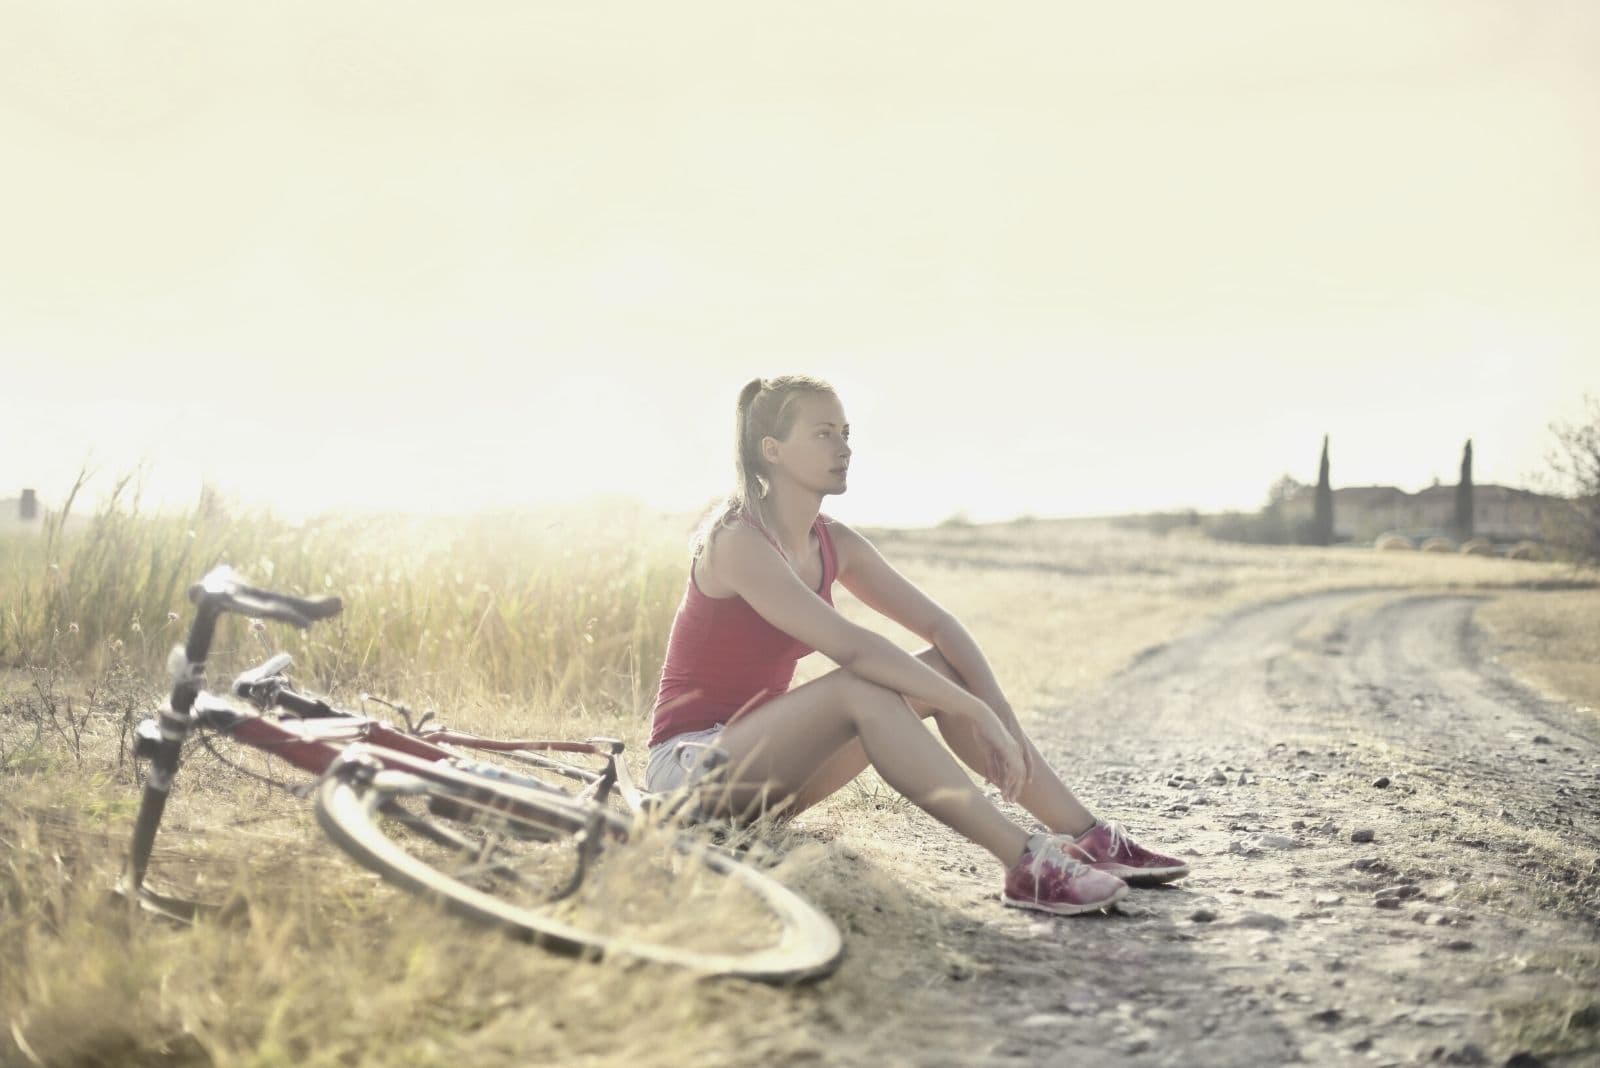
865	573
754	570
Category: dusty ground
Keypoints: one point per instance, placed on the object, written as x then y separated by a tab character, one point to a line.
1462	929
1253	741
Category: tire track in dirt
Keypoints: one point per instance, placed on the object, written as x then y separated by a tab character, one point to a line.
1258	746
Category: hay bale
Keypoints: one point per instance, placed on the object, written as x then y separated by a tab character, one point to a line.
1438	545
1390	542
1478	547
1525	550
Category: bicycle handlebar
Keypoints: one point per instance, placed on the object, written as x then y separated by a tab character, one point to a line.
221	587
221	591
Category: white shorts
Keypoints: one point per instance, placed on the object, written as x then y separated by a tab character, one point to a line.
671	761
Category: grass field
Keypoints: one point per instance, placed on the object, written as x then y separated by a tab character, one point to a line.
525	624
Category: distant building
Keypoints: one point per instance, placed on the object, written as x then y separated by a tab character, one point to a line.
20	511
1361	513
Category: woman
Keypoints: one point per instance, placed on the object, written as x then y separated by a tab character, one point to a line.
759	597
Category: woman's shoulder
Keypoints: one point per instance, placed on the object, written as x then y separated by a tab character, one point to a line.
739	529
735	541
834	526
846	540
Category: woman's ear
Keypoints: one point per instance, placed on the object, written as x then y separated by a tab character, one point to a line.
769	449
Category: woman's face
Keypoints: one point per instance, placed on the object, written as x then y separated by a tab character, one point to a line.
816	452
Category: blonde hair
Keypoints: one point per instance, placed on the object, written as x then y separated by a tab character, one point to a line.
767	407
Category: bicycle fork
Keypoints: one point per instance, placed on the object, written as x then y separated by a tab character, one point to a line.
161	740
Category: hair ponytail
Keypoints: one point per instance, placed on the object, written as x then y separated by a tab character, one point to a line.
747	395
749	487
766	408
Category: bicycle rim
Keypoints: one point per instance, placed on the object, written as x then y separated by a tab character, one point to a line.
507	857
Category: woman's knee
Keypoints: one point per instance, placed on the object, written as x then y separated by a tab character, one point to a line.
935	659
865	698
858	692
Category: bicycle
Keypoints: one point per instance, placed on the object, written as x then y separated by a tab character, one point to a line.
493	843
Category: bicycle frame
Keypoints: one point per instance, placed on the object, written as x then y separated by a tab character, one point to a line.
265	688
313	745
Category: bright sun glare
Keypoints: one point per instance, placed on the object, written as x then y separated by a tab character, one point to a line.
1113	263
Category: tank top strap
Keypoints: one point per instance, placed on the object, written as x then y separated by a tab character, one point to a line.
763	531
830	556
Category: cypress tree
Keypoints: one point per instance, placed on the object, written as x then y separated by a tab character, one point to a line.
1322	517
1464	495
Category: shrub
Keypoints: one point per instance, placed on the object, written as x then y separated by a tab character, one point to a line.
1574	459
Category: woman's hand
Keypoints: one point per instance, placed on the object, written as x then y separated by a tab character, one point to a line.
1006	760
1008	719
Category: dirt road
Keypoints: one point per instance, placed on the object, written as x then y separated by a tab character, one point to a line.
1393	847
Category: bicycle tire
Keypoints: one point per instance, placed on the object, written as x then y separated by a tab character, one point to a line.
487	852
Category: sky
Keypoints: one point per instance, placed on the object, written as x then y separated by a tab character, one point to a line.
1058	258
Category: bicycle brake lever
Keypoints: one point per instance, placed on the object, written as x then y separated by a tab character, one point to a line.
269	669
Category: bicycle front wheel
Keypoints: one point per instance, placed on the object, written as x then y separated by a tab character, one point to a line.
574	878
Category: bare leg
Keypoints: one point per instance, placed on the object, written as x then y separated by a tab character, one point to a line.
1044	794
777	751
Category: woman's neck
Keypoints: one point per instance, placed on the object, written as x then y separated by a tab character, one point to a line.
790	517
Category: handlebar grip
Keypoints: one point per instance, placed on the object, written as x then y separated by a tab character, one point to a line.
312	608
221	588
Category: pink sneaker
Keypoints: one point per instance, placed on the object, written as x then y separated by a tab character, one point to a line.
1051	876
1107	847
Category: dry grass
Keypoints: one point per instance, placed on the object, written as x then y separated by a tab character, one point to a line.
513	626
565	607
1552	638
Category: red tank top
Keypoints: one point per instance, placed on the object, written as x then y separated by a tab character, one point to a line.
724	659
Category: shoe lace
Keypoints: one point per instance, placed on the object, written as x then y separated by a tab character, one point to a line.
1054	854
1120	842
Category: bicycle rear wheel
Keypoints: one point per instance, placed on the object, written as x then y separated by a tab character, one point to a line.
574	878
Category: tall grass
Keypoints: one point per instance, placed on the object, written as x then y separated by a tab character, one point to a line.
556	607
